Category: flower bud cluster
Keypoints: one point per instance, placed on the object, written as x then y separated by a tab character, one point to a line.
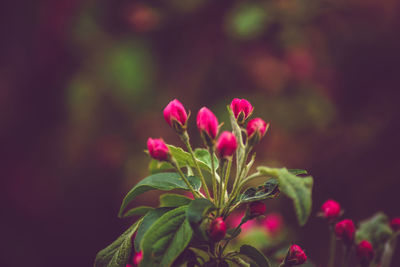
176	116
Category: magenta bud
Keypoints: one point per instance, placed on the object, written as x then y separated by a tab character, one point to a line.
256	129
208	125
295	256
175	115
256	209
137	258
345	231
365	252
395	224
158	149
242	109
217	229
226	145
330	209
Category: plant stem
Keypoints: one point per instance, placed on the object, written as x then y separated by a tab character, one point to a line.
214	180
332	248
175	164
388	250
346	255
236	188
233	234
226	180
185	139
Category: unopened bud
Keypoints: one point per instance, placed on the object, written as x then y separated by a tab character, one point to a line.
208	126
137	258
242	109
295	256
365	252
158	149
217	229
330	209
175	115
345	231
256	209
226	145
256	129
395	224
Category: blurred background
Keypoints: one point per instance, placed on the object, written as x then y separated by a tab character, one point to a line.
83	85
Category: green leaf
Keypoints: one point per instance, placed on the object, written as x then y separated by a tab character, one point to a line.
376	230
240	150
197	209
202	155
165	181
184	159
174	200
148	220
269	189
255	255
298	171
166	239
141	210
156	166
117	254
299	189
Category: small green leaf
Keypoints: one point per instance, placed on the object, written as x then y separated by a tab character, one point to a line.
174	200
298	171
141	210
376	230
197	209
268	190
203	155
165	240
184	159
165	181
148	220
117	254
299	189
255	255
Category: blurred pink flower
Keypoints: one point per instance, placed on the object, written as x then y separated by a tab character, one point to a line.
273	223
234	220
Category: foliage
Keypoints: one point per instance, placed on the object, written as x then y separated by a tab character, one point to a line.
178	231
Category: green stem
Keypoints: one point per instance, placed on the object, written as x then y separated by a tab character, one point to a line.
175	164
332	248
346	255
233	234
226	180
236	188
388	250
214	180
186	141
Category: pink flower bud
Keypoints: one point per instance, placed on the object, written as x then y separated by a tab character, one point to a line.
175	115
295	256
208	125
345	231
395	224
217	229
242	109
331	209
256	129
157	149
137	258
226	145
256	209
273	223
365	252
